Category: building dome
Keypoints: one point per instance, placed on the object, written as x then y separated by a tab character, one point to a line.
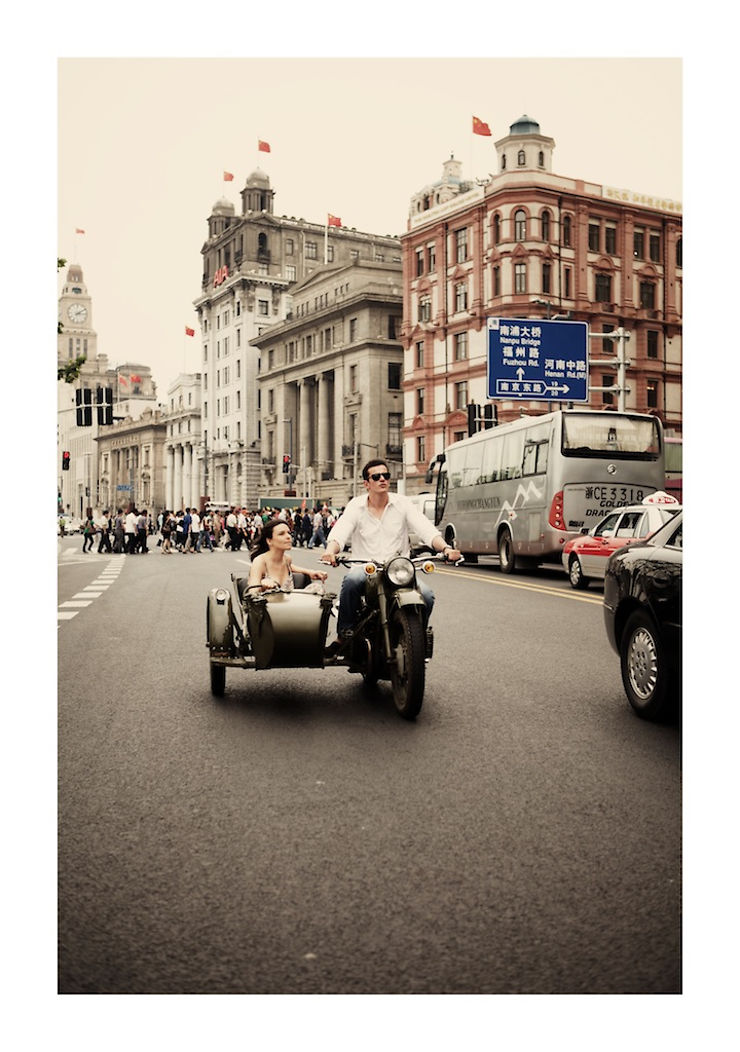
222	207
524	126
259	178
74	273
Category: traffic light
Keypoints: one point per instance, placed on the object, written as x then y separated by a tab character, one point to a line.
286	463
83	400
65	461
472	418
490	415
105	405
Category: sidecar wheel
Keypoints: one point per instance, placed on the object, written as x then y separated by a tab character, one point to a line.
409	668
218	679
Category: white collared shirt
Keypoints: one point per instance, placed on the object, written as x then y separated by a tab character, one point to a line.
380	538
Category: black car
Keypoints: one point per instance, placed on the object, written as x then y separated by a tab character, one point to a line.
642	615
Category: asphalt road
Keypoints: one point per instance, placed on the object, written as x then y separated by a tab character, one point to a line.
297	836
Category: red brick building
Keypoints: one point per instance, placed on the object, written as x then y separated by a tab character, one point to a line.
527	243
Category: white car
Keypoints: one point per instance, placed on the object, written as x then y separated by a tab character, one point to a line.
425	502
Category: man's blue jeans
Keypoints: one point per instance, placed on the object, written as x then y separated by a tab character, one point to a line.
350	596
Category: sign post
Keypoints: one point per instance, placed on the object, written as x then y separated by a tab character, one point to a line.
538	361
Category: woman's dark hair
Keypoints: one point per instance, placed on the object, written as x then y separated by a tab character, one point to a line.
260	546
373	464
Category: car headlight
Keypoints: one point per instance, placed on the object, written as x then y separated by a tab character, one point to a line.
400	572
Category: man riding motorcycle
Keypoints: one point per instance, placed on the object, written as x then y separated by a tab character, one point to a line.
377	525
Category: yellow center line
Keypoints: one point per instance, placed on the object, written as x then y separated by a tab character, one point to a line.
530	587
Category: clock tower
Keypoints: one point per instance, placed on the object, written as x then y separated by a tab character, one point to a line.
77	336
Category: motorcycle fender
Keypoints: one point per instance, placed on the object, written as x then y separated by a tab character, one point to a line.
408	597
218	621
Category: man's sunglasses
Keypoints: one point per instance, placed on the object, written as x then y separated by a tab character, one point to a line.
380	475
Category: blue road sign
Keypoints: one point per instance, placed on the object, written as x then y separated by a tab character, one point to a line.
533	360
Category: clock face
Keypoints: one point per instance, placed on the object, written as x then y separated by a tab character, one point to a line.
77	312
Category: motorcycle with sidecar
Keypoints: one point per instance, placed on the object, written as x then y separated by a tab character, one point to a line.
249	628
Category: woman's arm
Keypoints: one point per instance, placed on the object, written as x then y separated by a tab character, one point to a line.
257	571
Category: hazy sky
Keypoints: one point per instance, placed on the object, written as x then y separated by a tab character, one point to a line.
143	144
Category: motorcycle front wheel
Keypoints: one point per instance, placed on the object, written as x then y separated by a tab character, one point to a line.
408	668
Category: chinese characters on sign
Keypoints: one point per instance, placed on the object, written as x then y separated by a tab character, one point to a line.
537	360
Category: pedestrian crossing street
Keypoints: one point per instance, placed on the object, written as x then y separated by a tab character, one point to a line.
71	608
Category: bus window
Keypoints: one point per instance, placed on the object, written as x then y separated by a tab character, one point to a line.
601	435
535	451
455	465
473	464
491	470
511	467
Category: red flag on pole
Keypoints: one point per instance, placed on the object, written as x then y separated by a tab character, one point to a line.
78	231
480	127
264	146
228	176
122	379
334	220
135	379
189	331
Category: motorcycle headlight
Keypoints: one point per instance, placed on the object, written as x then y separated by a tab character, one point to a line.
400	572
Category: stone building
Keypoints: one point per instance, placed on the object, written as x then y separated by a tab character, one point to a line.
131	459
527	243
251	262
185	455
330	388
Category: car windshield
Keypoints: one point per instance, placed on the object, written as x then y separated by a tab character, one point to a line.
670	534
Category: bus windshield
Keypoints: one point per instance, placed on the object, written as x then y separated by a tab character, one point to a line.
613	437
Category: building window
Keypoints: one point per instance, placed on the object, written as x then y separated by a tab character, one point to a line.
289	246
354	253
647	295
546	272
520	225
461	346
290	272
679	252
420	355
421	456
238	368
655	248
610	240
461	296
461	245
652	343
521	158
638	244
496	229
461	394
425	308
419	262
541	159
311	250
603	288
545	223
205	352
352	330
394	376
420	400
520	278
566	278
330	253
394	430
497	281
607	345
652	394
392	327
431	258
607	397
594	237
567	229
263	308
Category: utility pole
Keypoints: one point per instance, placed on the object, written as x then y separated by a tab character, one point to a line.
622	362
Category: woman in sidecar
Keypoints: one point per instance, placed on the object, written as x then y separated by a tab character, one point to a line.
272	565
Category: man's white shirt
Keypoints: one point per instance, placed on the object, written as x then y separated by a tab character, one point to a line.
380	538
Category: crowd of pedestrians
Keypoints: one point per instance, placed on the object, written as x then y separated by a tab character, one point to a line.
189	532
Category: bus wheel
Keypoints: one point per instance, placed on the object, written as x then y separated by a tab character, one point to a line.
506	553
575	574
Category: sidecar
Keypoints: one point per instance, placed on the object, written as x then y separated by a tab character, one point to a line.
248	628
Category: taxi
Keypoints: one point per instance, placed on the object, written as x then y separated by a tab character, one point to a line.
585	557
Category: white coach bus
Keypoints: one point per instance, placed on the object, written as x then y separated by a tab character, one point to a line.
521	490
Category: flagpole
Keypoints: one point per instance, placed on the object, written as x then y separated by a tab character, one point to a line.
326	240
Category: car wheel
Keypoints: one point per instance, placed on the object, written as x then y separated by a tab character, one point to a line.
575	574
646	672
